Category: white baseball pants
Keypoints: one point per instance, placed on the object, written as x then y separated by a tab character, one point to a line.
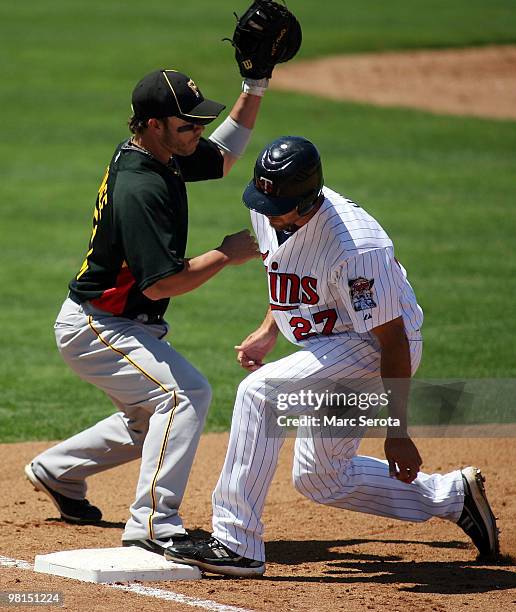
163	401
326	470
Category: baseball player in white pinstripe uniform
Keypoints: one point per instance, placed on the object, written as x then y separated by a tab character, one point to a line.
336	291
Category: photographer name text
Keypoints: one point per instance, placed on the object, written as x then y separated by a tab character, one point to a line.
305	420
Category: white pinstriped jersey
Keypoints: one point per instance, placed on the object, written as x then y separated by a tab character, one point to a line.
336	273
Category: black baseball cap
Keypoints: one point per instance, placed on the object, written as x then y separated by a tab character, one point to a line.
168	93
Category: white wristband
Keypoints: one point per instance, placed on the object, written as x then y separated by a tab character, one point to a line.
255	87
232	137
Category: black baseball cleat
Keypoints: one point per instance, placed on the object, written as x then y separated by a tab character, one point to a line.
477	519
71	510
212	556
159	546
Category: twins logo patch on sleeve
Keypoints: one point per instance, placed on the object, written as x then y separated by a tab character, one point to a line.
361	293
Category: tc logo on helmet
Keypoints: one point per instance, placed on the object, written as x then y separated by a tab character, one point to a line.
265	184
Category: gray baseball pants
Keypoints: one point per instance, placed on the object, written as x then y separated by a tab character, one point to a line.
162	400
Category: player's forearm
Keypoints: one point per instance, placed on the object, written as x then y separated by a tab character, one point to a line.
268	325
233	135
252	351
395	369
196	272
245	110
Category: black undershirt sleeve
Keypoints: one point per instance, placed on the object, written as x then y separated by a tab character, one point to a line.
206	163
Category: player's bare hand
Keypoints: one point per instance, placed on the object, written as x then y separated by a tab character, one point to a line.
403	457
239	247
252	351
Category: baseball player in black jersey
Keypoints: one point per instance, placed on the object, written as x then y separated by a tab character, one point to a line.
111	330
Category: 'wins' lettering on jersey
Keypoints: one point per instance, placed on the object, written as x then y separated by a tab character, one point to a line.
288	290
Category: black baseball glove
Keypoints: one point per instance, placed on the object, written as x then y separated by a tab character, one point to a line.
266	34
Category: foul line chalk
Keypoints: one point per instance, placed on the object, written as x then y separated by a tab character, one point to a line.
139	589
207	604
6	562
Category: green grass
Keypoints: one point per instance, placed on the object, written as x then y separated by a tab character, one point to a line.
443	187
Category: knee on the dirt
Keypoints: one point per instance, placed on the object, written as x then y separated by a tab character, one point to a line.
304	484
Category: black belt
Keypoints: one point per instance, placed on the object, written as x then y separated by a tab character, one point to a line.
74	298
147	319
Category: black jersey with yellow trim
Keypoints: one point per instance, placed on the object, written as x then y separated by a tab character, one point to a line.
140	228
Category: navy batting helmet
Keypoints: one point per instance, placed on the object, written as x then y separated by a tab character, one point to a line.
287	176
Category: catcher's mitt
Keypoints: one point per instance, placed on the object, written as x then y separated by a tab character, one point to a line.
266	34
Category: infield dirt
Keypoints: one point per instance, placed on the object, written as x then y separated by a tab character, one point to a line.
319	558
477	81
